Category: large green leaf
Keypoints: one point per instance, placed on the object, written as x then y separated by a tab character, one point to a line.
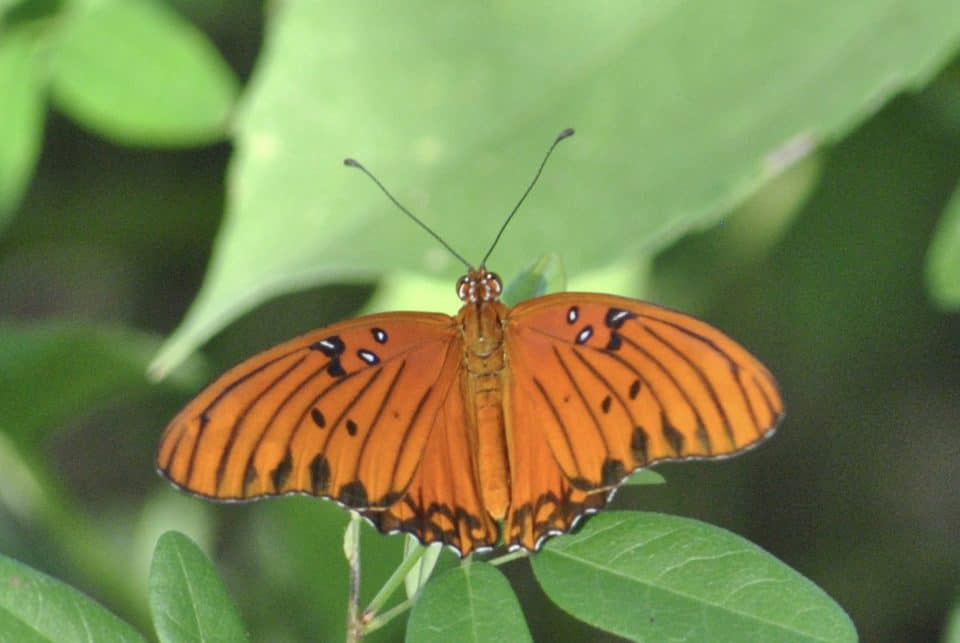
21	116
37	608
188	600
137	73
682	109
468	603
655	577
943	260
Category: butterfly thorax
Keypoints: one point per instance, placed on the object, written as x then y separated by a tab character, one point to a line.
481	322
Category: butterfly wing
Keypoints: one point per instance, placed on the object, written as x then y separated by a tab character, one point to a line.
612	385
357	412
443	502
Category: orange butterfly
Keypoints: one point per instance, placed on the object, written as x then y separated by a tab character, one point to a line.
443	427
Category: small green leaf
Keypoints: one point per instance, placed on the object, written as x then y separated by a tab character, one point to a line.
21	123
646	477
36	607
139	74
951	630
471	602
188	600
943	259
65	368
543	276
654	577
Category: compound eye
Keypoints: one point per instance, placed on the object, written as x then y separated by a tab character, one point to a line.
463	288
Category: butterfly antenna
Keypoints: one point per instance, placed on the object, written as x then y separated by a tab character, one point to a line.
567	133
356	164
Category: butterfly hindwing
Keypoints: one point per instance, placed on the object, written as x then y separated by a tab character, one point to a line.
613	385
443	501
343	412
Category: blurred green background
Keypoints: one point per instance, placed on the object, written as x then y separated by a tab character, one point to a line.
785	172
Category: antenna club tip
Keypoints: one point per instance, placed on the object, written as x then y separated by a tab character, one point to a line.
567	133
350	162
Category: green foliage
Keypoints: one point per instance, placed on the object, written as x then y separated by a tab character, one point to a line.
951	632
646	477
543	276
188	600
499	83
468	603
682	111
132	71
943	260
653	577
21	125
37	608
72	367
136	73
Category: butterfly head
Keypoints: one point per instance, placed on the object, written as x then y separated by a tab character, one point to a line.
479	285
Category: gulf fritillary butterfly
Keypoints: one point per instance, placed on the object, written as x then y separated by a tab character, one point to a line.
442	427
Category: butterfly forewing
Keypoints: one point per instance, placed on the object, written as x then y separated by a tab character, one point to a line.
612	385
342	412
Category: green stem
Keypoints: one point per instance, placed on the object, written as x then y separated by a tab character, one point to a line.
377	622
396	578
506	558
351	549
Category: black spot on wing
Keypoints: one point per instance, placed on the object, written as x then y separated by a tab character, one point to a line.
368	356
615	341
639	445
332	346
634	389
573	315
704	439
351	428
605	405
354	494
673	437
318	418
249	477
320	475
335	369
616	316
612	472
379	335
282	471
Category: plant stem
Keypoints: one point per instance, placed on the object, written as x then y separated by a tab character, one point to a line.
506	558
351	549
396	578
377	622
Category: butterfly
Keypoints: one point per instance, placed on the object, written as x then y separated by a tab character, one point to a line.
497	426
